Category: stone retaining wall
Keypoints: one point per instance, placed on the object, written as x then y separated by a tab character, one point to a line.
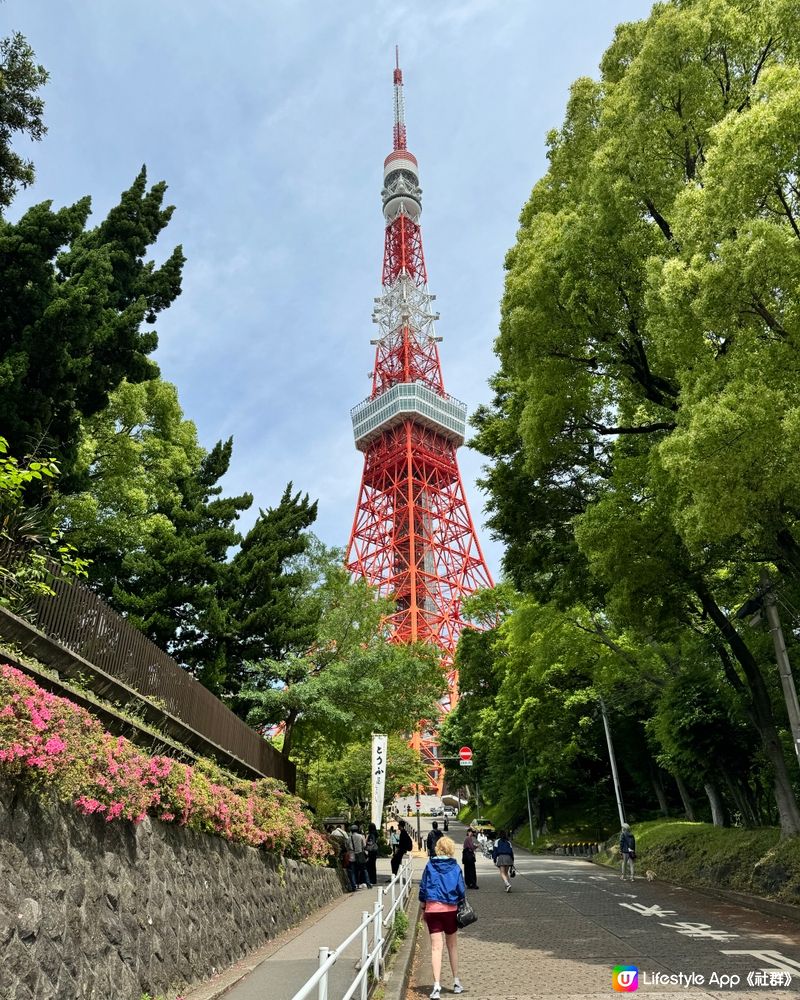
97	910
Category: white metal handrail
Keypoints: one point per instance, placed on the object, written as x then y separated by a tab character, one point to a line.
371	957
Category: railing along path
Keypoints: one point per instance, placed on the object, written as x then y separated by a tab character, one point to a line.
372	925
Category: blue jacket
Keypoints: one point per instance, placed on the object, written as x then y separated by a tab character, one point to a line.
502	847
442	882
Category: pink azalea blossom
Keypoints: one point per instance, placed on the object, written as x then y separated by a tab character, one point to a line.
55	745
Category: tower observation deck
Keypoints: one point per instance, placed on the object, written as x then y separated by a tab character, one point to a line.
413	537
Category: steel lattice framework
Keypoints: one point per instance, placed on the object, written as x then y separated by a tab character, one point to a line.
413	537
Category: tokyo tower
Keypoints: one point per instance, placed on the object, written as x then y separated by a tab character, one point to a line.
413	536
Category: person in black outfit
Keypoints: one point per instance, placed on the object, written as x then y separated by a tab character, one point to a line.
403	847
468	861
372	853
433	837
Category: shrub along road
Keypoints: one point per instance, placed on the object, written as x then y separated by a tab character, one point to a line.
567	923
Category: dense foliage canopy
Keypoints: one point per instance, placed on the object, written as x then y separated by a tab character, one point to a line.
643	436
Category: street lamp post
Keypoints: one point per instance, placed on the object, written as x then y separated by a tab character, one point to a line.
613	759
528	793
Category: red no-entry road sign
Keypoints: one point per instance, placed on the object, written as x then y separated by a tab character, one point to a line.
465	753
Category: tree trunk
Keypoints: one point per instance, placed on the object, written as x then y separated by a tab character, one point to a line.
761	714
683	791
658	787
740	798
715	801
287	732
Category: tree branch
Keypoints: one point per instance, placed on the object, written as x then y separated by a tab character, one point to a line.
658	218
787	209
640	429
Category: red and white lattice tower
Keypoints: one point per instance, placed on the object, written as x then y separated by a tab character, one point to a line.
413	536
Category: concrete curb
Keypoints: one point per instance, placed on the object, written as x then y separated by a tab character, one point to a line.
397	976
771	907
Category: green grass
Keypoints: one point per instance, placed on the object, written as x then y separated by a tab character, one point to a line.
699	854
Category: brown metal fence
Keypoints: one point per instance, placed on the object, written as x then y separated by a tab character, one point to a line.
82	622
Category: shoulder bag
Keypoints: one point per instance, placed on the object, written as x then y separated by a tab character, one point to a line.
465	914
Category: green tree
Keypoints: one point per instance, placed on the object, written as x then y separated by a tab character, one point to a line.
350	680
32	556
75	301
270	621
641	320
131	458
343	779
152	519
21	109
705	737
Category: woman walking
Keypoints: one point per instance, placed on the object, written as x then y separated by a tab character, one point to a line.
503	857
441	890
627	848
468	861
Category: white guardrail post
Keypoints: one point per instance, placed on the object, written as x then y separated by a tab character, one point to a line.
377	939
322	993
371	957
365	921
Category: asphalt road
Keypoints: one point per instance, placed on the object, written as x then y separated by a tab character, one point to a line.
566	923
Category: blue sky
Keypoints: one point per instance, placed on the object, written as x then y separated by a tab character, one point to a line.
269	120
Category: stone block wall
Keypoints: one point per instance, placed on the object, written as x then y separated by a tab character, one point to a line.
97	910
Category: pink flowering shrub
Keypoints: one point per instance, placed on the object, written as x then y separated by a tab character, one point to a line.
47	742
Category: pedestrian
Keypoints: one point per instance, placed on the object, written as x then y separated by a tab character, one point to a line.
627	848
468	861
433	836
446	823
372	853
340	839
404	845
394	840
503	857
441	889
358	846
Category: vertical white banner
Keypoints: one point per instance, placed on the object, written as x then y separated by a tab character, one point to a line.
379	754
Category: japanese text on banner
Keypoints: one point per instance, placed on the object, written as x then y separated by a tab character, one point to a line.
379	754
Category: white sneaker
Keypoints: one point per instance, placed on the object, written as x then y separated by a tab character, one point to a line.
508	887
436	992
457	987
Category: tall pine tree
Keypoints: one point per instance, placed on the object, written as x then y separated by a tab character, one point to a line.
74	305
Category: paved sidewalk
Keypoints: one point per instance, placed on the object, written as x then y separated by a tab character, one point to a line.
567	922
281	967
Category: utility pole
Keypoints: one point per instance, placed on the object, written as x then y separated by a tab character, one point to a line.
528	793
784	666
613	759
